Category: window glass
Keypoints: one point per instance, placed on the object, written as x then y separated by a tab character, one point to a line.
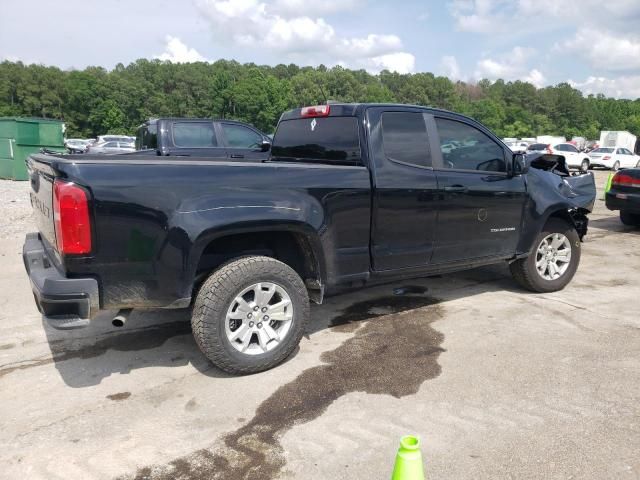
466	148
537	147
626	151
560	148
241	137
620	151
570	148
111	145
404	135
603	150
322	139
194	134
147	137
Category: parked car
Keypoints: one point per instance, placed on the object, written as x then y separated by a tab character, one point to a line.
624	195
573	157
113	138
613	158
76	145
111	148
340	204
203	137
518	146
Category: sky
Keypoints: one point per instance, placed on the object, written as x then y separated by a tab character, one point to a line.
593	45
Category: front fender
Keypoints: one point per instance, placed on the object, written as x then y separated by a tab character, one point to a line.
550	194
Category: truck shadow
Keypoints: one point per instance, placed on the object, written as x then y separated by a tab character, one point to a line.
162	338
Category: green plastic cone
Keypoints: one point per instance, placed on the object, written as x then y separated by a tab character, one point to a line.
408	460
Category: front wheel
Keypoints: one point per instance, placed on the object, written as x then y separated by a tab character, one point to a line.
554	260
584	166
250	314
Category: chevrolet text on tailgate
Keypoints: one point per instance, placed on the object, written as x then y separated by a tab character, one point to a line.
350	195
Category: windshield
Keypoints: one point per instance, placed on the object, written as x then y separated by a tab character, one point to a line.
603	150
324	140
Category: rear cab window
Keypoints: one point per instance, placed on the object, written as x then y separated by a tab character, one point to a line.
333	140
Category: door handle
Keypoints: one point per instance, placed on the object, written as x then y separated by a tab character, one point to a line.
456	189
237	155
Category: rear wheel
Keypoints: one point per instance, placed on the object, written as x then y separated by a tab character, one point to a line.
554	260
631	219
250	314
584	166
616	166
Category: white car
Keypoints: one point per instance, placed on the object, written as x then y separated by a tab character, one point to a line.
573	157
614	158
518	146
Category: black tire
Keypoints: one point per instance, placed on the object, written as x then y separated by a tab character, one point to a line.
584	166
631	219
616	166
524	270
216	296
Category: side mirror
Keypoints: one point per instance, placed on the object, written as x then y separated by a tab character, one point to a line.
265	146
520	166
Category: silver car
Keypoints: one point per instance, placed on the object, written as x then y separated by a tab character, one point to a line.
111	148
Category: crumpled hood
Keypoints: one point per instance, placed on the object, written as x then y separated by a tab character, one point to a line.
549	181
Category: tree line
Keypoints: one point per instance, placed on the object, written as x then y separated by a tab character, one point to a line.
96	101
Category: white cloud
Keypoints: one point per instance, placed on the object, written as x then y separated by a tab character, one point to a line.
481	16
606	51
510	66
491	16
450	68
293	8
400	62
177	52
311	40
620	87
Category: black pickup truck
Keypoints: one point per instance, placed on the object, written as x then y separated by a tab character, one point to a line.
202	137
624	195
352	194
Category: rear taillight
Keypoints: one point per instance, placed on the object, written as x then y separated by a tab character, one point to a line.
71	218
607	157
549	151
316	111
625	180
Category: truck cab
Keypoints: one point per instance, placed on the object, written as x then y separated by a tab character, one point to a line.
199	137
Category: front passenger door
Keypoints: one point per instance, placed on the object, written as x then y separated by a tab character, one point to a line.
243	142
481	203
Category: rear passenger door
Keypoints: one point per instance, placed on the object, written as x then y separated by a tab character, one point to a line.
242	142
405	192
481	209
196	139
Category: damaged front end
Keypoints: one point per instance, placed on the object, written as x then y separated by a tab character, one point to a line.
554	191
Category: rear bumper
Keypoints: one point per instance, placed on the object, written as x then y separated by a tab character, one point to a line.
623	201
64	302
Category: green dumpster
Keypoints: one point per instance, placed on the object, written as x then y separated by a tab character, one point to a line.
20	137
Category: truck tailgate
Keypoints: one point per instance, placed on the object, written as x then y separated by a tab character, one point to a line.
41	178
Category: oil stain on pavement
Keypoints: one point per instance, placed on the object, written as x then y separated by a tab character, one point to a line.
392	353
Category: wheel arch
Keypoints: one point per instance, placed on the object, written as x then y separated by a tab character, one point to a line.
295	244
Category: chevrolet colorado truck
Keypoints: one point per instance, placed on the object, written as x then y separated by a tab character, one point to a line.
351	195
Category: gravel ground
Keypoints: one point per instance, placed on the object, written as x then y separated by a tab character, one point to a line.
15	215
